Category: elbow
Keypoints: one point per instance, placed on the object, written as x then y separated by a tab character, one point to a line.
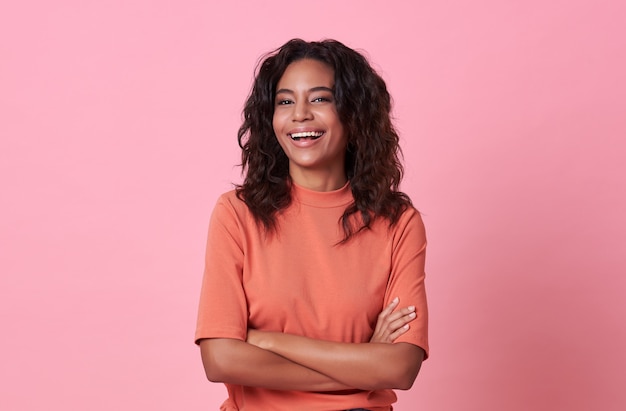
410	370
402	379
213	373
405	380
214	360
403	374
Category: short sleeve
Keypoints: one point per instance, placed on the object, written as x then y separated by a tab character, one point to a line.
407	275
222	311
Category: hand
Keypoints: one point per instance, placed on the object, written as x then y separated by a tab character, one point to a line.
390	325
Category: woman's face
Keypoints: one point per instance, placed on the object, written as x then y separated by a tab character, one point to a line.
307	125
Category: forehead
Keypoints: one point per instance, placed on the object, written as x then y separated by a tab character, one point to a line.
307	73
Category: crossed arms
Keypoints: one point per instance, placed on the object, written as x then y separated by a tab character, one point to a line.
289	362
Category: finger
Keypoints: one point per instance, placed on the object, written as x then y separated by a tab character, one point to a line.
400	313
399	318
394	321
392	337
395	328
400	322
385	313
388	330
390	307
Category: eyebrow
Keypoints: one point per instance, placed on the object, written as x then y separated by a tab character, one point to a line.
319	88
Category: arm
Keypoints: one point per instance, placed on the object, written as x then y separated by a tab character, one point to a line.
355	364
367	366
236	362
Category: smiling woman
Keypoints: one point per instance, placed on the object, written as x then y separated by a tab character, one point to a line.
308	128
296	311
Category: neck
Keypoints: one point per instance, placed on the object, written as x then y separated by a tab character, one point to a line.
318	181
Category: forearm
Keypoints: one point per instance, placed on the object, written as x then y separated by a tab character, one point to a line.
366	366
237	362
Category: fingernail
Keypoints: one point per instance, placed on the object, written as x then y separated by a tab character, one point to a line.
412	315
411	308
395	300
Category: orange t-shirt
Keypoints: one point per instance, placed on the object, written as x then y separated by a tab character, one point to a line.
301	281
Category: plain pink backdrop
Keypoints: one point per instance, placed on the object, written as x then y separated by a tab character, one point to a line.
118	128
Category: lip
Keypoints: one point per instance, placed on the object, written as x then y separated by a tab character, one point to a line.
305	130
307	142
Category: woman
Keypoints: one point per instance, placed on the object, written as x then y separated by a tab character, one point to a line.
308	260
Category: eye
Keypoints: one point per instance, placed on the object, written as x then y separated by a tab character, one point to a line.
283	102
321	100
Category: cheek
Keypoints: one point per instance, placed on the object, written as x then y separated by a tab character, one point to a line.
333	118
340	130
277	123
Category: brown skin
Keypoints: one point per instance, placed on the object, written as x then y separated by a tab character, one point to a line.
289	362
237	362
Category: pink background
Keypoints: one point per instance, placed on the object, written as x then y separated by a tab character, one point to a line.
117	125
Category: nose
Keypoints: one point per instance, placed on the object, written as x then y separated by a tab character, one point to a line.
302	111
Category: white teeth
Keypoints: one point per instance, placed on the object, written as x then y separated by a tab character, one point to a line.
307	134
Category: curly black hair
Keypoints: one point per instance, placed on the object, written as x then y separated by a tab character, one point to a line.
373	152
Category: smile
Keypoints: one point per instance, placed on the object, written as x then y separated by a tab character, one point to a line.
313	135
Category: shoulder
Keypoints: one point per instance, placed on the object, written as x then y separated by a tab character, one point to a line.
410	225
230	200
229	207
231	221
229	197
410	217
